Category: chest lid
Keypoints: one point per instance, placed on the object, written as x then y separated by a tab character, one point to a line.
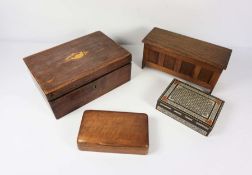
184	46
68	66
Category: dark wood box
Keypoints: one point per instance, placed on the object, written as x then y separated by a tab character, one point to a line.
190	106
190	59
77	72
117	132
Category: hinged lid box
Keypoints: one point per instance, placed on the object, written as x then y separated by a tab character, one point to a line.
74	73
190	106
111	131
194	60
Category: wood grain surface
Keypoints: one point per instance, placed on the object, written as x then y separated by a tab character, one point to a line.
84	94
185	46
57	73
75	73
118	132
193	60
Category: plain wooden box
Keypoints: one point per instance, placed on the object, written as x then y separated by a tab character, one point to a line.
77	72
116	132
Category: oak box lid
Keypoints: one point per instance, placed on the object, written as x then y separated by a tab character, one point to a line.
184	46
68	66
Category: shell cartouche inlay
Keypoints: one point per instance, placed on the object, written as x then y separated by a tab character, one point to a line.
76	56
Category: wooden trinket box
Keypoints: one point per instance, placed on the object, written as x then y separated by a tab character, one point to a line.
190	59
77	72
190	106
117	132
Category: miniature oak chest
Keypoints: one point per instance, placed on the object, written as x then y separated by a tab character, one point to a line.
190	59
190	106
117	132
75	73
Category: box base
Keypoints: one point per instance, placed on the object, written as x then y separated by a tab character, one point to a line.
113	149
181	120
84	94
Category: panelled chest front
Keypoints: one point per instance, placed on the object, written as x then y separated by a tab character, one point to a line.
75	73
193	60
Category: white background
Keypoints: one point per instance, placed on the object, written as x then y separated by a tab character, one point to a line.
225	22
33	142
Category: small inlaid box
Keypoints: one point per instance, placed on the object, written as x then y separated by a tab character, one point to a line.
116	132
190	106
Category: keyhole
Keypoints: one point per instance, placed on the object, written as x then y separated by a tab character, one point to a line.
94	86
